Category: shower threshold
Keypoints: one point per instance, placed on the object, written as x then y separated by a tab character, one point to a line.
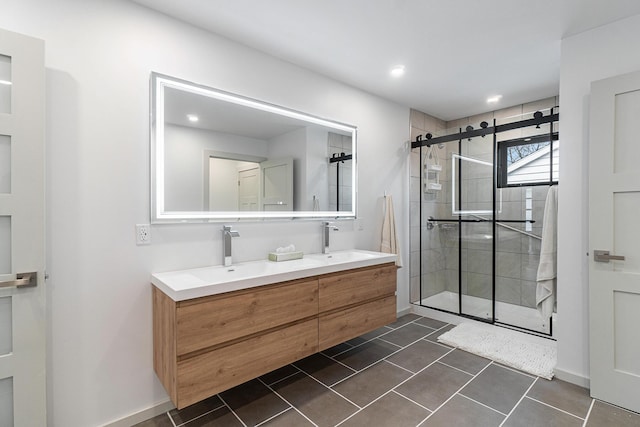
508	314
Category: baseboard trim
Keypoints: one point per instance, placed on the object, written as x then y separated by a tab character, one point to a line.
572	378
145	414
403	312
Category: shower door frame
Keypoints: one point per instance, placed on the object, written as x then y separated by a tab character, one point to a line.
537	120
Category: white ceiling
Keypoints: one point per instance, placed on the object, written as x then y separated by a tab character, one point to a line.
456	52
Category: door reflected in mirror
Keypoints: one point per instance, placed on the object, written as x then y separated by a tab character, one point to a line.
216	155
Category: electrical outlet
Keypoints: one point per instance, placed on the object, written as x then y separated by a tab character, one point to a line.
143	234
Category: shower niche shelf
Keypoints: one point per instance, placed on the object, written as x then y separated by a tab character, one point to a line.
432	178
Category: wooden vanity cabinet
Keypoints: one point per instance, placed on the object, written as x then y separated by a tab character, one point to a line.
206	345
355	302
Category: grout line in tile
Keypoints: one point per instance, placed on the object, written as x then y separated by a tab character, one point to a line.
289	403
518	403
411	400
332	384
584	424
270	418
282	379
333	391
350	376
430	364
482	404
554	407
421	423
457	391
173	423
363	408
364	369
363	343
377	361
457	369
345	343
202	415
425	326
392	343
398	366
232	411
440	344
493	362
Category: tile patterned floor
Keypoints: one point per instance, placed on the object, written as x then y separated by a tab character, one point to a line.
399	376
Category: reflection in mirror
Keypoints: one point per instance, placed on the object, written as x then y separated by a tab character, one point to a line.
219	156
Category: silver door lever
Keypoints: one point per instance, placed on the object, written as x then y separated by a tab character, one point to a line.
604	256
22	280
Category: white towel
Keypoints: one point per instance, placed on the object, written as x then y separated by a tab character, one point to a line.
546	288
389	242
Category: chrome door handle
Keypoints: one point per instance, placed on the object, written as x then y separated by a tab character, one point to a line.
22	280
604	256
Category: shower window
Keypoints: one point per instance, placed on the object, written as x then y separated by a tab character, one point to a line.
528	161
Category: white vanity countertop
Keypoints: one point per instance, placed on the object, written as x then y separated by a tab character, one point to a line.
200	282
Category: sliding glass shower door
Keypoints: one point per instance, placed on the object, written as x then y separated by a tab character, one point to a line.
472	204
477	202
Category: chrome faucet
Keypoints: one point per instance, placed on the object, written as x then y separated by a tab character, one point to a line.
326	228
227	234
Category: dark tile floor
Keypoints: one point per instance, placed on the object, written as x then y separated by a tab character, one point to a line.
399	376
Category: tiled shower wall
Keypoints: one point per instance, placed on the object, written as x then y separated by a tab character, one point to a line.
432	256
517	255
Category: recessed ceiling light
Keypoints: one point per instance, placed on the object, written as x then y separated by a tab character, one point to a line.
397	71
494	99
5	82
192	118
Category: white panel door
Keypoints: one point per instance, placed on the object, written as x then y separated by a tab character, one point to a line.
614	208
22	308
249	190
276	185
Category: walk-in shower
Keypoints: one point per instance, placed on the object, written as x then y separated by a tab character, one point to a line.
477	201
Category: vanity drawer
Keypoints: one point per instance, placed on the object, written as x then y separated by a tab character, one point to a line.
340	326
209	321
206	374
343	289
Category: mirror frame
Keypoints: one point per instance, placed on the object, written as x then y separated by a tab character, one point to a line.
158	83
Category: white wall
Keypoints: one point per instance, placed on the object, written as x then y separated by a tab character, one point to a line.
223	183
600	53
317	170
184	164
99	54
292	144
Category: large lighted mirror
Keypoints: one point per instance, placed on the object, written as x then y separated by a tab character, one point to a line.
220	156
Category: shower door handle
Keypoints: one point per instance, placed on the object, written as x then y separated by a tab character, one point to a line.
604	256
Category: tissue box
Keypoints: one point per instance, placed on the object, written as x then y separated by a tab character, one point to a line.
285	256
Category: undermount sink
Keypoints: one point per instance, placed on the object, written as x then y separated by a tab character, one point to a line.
199	282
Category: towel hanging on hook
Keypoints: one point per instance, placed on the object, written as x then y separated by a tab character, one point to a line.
389	242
